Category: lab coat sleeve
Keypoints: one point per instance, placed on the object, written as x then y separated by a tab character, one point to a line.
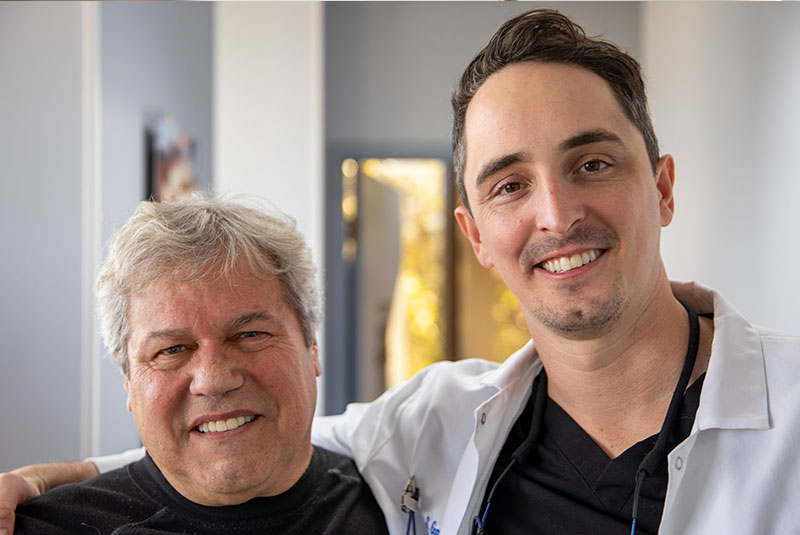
418	428
107	463
399	415
358	432
331	432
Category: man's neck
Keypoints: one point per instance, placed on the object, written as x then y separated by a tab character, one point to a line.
617	387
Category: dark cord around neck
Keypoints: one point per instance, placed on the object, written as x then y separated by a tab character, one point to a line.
523	450
653	458
656	455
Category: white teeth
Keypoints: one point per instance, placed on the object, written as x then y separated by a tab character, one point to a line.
224	425
566	263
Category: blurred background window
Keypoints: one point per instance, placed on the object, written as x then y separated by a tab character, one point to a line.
418	294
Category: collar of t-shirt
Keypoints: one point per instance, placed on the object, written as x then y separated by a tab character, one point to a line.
147	475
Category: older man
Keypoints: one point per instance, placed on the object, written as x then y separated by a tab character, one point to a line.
639	405
210	308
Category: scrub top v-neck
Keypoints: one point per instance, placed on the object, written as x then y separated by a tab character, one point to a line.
569	485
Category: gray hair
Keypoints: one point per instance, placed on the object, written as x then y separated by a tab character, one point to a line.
199	237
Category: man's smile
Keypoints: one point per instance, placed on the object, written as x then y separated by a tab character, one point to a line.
224	425
582	246
568	263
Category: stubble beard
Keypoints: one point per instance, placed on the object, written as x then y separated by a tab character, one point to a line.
577	316
582	318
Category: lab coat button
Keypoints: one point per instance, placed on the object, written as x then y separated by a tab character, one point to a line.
483	418
678	463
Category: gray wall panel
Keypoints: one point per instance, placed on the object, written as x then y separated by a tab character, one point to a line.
40	231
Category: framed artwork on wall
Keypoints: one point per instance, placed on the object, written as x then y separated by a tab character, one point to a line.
171	159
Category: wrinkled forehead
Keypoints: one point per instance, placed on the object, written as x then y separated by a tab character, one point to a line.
213	280
218	269
214	302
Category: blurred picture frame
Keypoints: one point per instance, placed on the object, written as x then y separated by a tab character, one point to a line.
171	159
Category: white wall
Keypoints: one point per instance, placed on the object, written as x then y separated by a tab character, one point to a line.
268	122
724	80
391	66
41	149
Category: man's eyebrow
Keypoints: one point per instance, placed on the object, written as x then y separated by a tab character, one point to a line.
588	137
167	334
497	164
244	319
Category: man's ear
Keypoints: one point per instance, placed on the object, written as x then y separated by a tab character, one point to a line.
315	354
128	401
665	181
470	230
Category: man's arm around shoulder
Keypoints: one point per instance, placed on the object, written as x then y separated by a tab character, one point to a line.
28	482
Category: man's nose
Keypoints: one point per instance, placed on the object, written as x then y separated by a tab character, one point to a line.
215	371
558	205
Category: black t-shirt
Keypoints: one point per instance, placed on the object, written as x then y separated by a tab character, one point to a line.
569	485
330	498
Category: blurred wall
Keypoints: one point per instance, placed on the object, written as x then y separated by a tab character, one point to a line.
41	172
390	66
724	87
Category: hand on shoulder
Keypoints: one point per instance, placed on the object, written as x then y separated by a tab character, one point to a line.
28	482
15	488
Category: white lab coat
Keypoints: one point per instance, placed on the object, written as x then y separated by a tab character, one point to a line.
737	472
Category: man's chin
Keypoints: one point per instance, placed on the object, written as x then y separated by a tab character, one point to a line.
222	482
582	318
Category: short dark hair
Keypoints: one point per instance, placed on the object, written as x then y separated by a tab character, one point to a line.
545	35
